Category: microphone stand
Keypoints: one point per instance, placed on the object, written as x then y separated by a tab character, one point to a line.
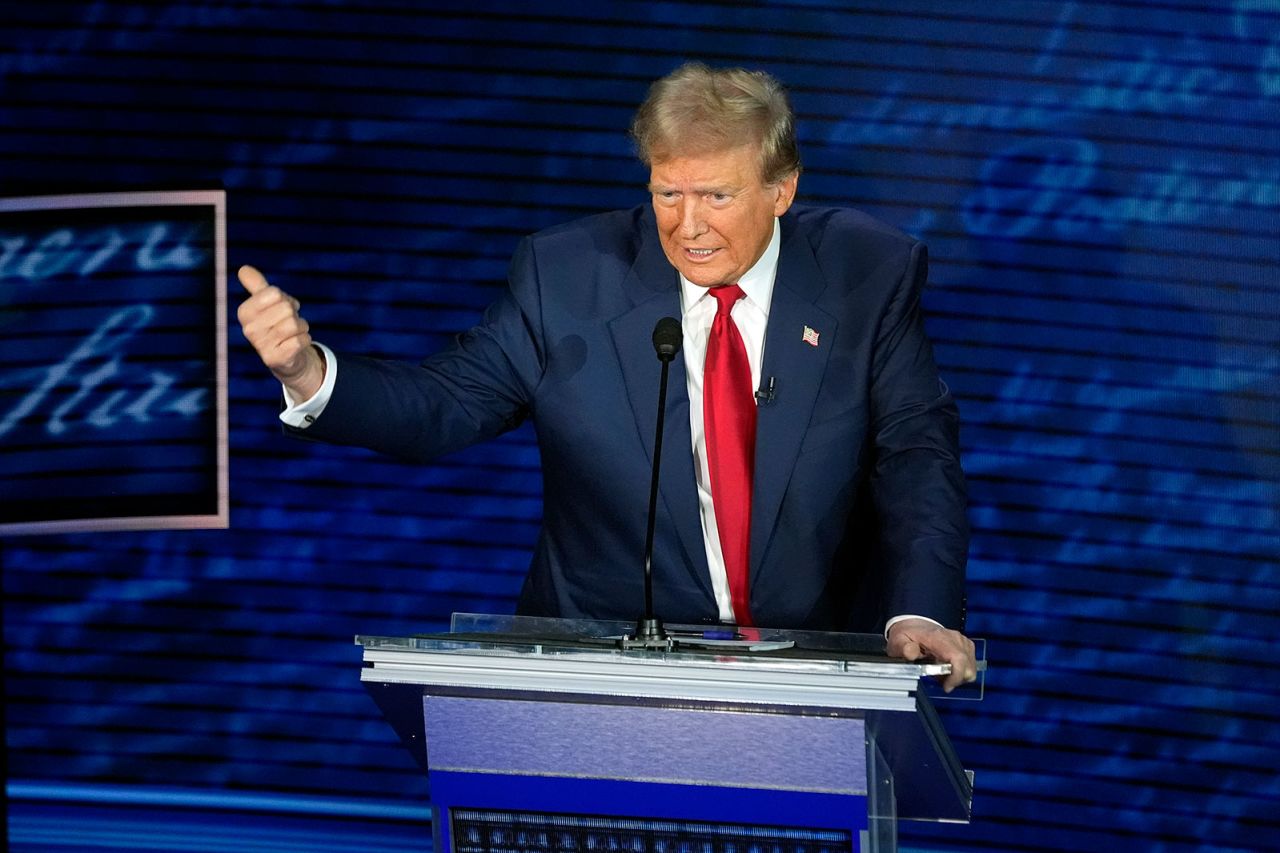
649	627
650	632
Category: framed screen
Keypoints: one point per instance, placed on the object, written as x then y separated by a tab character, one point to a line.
113	362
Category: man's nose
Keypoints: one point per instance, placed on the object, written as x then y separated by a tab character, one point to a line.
692	223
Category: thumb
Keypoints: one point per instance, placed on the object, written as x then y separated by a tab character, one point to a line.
252	280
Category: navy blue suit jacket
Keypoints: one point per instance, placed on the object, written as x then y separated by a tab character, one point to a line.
859	501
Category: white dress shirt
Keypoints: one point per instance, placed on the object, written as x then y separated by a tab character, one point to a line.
751	315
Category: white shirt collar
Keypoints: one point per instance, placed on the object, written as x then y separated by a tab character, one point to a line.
756	283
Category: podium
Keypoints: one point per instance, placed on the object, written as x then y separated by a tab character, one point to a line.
546	735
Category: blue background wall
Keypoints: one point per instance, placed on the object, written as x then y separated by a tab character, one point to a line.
1100	189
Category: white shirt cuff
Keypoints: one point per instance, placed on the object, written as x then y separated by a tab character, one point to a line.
302	415
898	619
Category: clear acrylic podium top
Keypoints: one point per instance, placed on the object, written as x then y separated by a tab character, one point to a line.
762	665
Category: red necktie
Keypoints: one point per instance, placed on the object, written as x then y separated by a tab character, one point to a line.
729	414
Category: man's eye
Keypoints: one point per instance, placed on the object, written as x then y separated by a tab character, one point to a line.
721	198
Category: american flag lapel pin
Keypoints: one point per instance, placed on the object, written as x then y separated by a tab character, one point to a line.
810	336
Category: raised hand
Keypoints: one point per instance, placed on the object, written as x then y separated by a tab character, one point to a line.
272	323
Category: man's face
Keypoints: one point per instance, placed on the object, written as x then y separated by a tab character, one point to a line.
715	213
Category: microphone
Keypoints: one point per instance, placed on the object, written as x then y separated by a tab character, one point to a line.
667	338
767	391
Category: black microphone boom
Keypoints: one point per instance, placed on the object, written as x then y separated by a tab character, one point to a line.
667	337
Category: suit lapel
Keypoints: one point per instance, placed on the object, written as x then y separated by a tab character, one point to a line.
654	289
797	368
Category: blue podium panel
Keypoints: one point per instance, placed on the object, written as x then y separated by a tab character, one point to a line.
641	776
695	746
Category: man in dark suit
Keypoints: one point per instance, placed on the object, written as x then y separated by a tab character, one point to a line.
830	499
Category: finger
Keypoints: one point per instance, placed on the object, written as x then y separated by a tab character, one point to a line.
279	313
910	650
265	309
288	357
964	669
285	352
264	328
960	674
253	281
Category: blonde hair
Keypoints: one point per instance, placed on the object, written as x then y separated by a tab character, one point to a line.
698	110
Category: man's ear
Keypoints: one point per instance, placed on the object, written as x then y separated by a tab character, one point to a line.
786	193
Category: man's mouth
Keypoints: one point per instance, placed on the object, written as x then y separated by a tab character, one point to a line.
697	254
